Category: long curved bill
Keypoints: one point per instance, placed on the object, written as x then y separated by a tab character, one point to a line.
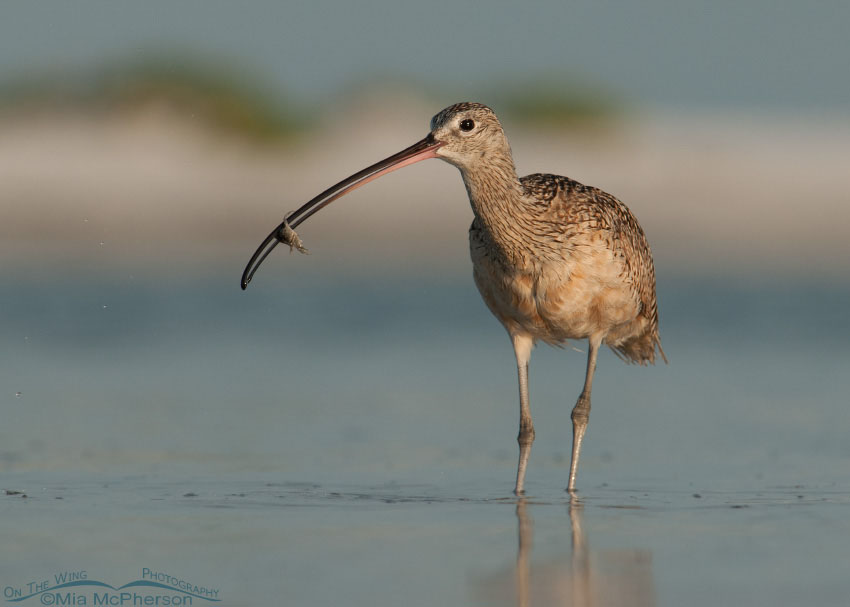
421	150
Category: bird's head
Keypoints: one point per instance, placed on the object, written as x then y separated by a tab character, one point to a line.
465	134
469	134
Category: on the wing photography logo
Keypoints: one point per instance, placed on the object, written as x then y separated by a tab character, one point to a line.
78	588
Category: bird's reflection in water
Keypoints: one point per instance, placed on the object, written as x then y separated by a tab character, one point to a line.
609	578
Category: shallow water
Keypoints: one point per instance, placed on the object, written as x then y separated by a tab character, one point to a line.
352	441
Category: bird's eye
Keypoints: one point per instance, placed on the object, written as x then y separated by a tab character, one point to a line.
467	125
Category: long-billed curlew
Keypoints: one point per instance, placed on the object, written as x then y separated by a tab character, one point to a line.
553	259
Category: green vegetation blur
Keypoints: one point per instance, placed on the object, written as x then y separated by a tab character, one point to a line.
237	102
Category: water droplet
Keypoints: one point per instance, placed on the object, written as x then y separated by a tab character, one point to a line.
85	220
18	394
102	243
104	306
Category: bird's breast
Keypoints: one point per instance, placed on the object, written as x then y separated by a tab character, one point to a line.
582	292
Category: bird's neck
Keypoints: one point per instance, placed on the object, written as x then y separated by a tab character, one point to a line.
497	200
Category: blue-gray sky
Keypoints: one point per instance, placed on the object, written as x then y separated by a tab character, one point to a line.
754	54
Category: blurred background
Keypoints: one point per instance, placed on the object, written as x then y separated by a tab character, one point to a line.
146	149
180	134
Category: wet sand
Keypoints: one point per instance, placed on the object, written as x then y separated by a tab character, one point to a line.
365	454
257	542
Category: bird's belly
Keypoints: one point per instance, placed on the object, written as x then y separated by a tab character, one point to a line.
570	301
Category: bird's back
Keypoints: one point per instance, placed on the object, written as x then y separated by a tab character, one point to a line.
592	270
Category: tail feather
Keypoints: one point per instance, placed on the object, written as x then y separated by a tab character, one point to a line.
640	349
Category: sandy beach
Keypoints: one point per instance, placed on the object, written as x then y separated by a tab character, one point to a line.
716	194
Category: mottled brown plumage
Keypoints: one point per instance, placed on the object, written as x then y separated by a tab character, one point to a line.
572	219
553	259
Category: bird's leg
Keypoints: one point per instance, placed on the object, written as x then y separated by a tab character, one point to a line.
522	350
581	412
